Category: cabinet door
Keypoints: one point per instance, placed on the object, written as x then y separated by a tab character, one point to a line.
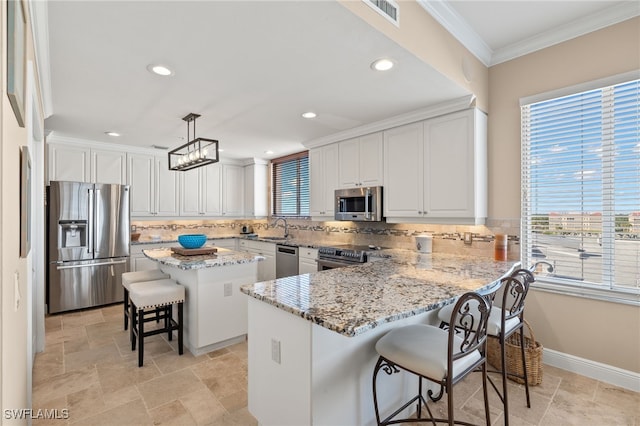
69	163
212	190
232	190
140	179
348	163
256	191
316	182
142	263
370	163
167	188
190	193
449	151
108	167
403	171
330	160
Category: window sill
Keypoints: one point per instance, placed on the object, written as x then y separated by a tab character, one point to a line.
630	297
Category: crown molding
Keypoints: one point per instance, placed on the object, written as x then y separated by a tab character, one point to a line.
39	12
610	16
447	107
459	28
442	12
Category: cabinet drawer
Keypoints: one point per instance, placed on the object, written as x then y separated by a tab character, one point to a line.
308	253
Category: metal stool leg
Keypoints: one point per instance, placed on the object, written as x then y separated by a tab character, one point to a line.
140	337
180	328
126	308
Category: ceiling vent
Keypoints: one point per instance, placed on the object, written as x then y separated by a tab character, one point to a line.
387	8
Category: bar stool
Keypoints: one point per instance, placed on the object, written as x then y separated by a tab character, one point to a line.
157	297
504	320
129	278
441	356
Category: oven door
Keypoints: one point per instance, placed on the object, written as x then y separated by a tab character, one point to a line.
326	264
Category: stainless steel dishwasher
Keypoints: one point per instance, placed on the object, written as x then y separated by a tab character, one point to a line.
286	261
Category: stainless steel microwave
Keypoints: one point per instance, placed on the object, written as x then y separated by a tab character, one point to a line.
359	204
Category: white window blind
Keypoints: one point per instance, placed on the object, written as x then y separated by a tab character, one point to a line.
581	188
290	189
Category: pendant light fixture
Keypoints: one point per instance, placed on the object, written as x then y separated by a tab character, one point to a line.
195	153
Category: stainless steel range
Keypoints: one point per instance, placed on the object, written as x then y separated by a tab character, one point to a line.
341	256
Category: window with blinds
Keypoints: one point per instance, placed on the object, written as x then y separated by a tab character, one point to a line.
581	188
290	188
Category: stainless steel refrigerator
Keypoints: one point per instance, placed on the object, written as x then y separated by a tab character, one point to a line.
88	247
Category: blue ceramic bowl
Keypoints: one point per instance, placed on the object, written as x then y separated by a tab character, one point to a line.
192	241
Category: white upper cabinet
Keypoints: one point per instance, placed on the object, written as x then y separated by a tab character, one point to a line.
108	166
167	188
232	190
212	189
69	162
140	172
435	171
323	180
403	195
154	188
201	191
360	161
74	162
255	190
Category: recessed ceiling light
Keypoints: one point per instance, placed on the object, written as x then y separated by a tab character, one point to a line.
220	150
268	152
160	70
113	134
382	64
309	114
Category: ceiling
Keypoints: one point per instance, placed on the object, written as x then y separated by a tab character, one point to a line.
252	68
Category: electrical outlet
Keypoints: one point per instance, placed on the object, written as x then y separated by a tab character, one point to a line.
228	289
133	228
468	238
275	350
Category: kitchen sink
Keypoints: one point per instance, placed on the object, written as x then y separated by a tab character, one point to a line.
274	238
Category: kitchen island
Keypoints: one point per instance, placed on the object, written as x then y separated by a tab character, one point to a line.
215	312
312	337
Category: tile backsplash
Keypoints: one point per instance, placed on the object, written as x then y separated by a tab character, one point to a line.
446	238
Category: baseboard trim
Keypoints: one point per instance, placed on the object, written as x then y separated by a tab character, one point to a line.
593	369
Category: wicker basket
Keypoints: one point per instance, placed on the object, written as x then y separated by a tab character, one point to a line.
532	355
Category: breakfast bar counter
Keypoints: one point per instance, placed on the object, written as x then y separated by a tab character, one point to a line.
215	309
312	337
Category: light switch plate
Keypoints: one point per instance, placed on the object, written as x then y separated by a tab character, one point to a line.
228	289
275	350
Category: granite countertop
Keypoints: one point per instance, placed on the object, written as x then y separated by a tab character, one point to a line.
293	242
224	257
355	299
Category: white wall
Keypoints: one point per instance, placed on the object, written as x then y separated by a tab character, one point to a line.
14	272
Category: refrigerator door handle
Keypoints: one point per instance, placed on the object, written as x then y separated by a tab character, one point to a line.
91	225
86	265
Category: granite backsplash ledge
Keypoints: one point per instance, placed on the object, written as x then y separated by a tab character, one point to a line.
446	238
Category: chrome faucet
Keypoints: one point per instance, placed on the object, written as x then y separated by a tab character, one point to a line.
286	226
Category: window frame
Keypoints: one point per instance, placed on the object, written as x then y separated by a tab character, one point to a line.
274	187
607	292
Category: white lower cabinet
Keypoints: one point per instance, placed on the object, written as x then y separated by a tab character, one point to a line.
139	262
307	260
267	267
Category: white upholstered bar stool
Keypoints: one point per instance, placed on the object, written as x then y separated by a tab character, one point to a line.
129	278
441	356
506	318
159	297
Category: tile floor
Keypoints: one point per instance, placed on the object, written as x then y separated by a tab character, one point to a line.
89	369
